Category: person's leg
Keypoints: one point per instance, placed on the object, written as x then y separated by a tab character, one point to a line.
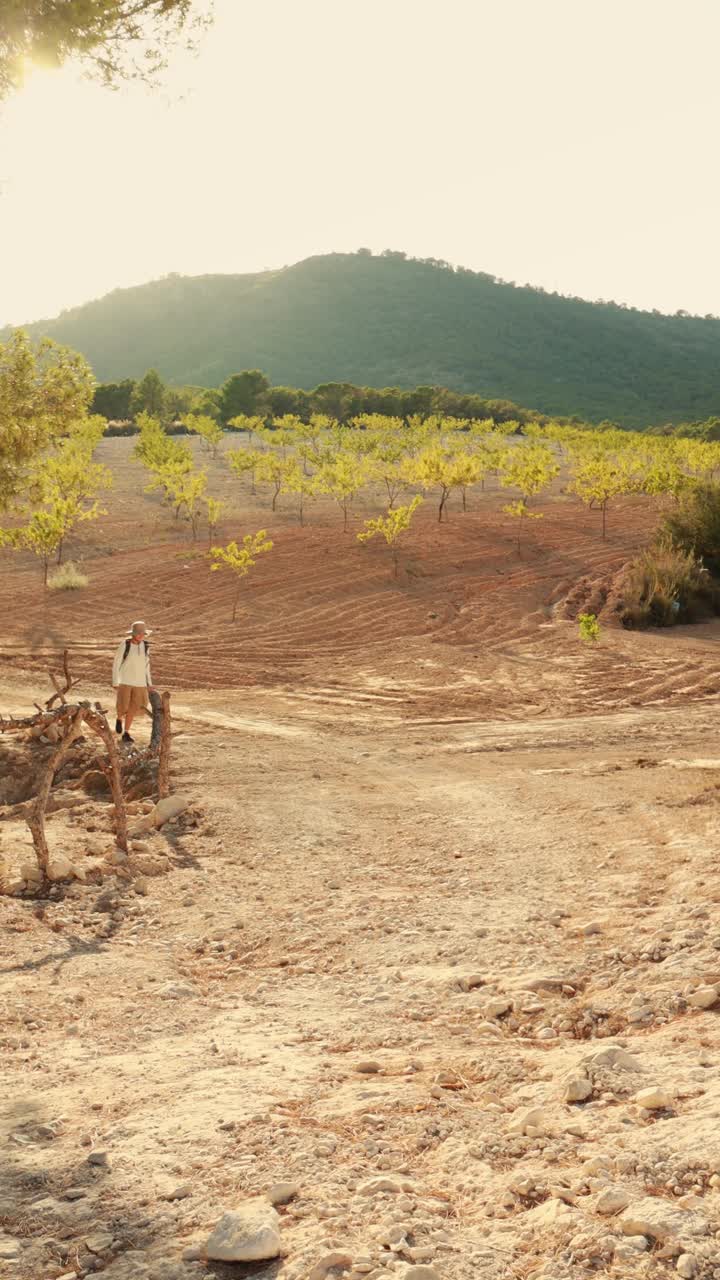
136	702
121	705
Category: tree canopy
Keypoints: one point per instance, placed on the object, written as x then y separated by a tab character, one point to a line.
117	39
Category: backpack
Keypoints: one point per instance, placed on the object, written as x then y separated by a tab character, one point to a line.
127	649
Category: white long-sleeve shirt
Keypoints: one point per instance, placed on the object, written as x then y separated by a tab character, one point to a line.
135	669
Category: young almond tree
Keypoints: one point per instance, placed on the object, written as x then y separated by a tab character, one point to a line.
69	480
391	527
529	468
445	469
269	469
189	493
214	510
240	560
209	431
599	477
48	528
342	477
249	423
297	480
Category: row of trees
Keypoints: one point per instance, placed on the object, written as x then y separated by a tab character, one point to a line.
250	392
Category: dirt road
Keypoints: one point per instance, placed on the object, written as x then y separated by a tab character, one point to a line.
313	992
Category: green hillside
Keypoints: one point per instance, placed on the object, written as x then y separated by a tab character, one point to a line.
388	321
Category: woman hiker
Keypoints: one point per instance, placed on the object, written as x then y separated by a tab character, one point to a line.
131	677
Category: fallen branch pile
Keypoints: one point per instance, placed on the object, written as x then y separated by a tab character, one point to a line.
63	725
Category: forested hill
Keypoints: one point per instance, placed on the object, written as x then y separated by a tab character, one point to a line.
388	321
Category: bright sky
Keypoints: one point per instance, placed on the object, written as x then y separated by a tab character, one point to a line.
568	143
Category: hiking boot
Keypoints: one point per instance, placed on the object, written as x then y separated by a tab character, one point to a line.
118	726
126	738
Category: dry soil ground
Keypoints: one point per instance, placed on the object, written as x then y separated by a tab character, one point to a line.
440	911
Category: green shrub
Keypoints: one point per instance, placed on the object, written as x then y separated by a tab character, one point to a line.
695	526
589	627
67	578
666	585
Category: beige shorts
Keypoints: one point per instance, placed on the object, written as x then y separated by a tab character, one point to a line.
130	698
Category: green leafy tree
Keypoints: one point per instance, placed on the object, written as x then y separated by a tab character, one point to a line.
150	395
113	399
240	559
391	527
117	39
243	393
45	391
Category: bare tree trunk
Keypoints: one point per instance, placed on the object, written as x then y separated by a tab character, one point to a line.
165	739
97	722
36	816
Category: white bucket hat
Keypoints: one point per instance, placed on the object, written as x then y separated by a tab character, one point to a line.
136	628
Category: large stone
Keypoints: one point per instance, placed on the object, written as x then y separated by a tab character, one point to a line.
60	868
686	1266
163	812
577	1089
612	1200
549	1212
653	1099
659	1219
496	1007
248	1234
703	998
615	1057
532	1121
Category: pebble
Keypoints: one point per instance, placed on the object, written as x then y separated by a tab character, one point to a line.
330	1262
686	1266
99	1158
368	1067
420	1273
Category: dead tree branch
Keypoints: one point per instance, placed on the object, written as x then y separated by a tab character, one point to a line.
164	759
36	817
69	683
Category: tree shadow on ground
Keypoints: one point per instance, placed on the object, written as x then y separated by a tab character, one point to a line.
76	946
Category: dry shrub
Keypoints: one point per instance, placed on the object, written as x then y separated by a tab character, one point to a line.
67	578
695	526
667	585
